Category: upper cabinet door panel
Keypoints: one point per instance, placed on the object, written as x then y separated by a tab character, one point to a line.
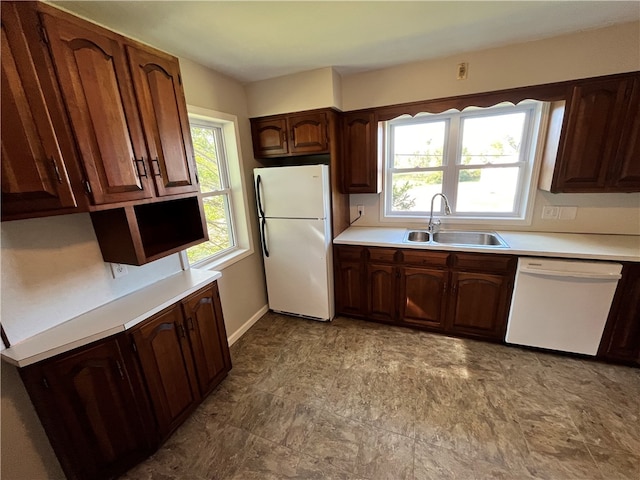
159	91
361	165
95	83
34	177
626	174
269	137
592	134
308	133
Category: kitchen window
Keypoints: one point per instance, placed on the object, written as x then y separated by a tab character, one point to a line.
482	159
217	157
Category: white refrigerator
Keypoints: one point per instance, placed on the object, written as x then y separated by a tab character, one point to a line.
294	215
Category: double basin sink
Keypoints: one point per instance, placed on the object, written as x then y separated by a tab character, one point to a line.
456	237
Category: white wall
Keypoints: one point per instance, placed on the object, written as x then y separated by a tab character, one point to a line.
587	54
293	93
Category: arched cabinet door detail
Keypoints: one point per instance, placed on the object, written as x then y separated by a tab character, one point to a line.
94	78
158	87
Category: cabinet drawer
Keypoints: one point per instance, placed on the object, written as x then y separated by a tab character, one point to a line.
425	258
382	254
483	262
348	253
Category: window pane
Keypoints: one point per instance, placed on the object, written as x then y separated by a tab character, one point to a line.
492	139
418	146
412	192
490	190
205	149
215	209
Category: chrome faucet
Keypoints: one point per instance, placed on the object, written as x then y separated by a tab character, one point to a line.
435	224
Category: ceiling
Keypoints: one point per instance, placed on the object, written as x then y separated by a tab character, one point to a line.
256	40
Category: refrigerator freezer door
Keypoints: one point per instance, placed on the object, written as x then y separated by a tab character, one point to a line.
299	267
293	192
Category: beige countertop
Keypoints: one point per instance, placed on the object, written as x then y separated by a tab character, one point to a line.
561	245
110	319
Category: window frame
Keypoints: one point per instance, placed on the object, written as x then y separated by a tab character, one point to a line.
529	163
235	190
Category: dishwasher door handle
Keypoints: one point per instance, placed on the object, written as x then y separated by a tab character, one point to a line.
570	274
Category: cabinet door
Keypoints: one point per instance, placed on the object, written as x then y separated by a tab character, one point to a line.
423	296
621	337
91	66
34	176
479	304
269	137
164	354
381	299
88	405
361	167
308	133
208	337
349	280
591	134
158	87
626	169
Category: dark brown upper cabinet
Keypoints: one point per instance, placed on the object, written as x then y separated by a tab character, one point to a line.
158	87
361	162
92	68
303	133
35	140
598	145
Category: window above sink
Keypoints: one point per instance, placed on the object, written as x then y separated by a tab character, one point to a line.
483	159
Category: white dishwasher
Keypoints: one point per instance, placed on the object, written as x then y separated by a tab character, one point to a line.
561	304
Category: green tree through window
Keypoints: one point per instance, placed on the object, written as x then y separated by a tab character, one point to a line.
208	146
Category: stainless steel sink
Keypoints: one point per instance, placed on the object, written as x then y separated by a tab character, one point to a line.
418	236
483	239
456	237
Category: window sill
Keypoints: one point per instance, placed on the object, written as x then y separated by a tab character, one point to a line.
219	263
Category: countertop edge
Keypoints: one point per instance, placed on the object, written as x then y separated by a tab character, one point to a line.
393	239
43	345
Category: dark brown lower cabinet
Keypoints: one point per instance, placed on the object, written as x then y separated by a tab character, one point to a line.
108	405
184	354
464	294
621	338
94	409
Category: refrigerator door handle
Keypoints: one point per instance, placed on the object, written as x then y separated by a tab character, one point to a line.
258	184
264	237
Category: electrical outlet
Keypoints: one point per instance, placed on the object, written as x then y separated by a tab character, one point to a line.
463	71
550	212
360	209
119	270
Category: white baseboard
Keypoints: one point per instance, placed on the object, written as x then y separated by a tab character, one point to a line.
233	338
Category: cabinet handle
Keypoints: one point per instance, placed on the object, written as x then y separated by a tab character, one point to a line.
56	170
44	382
181	332
120	369
137	163
156	172
190	325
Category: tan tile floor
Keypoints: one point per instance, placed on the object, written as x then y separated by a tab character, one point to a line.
357	400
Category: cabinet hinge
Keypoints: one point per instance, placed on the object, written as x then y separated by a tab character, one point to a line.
87	186
43	33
